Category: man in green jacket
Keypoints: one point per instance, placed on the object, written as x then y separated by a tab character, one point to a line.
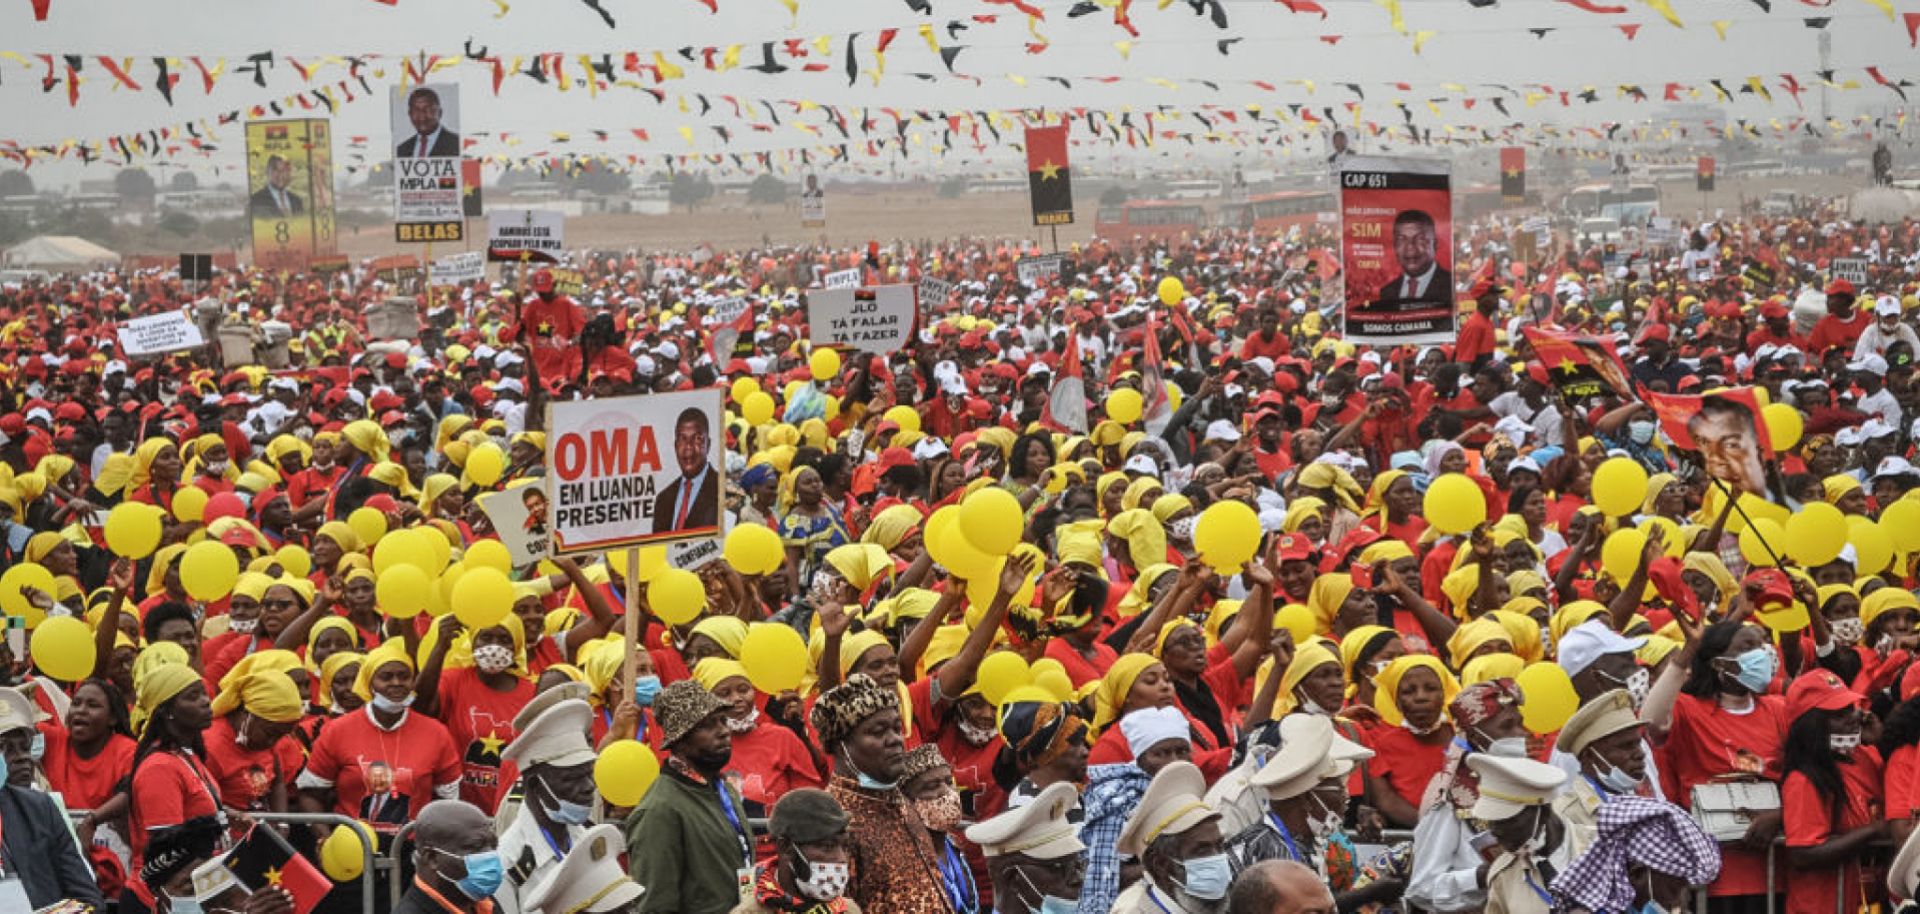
687	840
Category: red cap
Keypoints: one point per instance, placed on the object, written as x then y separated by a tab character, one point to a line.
542	280
1840	287
382	503
1774	311
1485	287
1819	690
238	536
1660	332
1538	373
1295	548
895	457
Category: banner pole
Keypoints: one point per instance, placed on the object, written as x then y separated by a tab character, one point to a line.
1735	501
633	614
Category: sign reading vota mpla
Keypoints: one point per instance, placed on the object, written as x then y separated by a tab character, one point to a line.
877	319
427	175
157	333
526	236
629	471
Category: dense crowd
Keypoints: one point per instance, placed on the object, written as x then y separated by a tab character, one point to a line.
1349	701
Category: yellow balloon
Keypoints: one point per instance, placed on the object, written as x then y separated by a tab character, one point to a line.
1816	534
403	547
1620	554
676	596
754	549
1619	487
12	598
1297	619
294	560
904	416
1547	697
208	570
775	657
486	463
62	647
1172	291
489	554
1057	683
403	591
1454	504
342	855
442	596
624	771
441	549
757	408
1901	520
189	503
952	550
133	529
1784	425
1872	545
1001	672
744	388
1227	535
992	520
824	364
368	524
653	561
1671	539
1791	618
482	597
1124	405
1759	535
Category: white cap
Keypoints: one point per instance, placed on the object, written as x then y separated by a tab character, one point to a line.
1875	428
1511	786
1524	463
1589	641
1141	463
1174	804
589	880
507	359
558	736
16	711
1872	364
1037	829
1149	727
929	448
1222	430
1886	306
1895	466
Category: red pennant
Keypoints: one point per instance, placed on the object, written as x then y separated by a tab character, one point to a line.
1913	28
40	10
1304	6
116	72
1629	30
1593	7
1331	39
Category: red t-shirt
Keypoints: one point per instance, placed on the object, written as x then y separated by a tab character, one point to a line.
768	761
85	783
1706	741
1808	824
480	721
246	776
168	788
1404	762
1898	779
1079	670
1476	339
1275	348
1832	331
409	761
551	329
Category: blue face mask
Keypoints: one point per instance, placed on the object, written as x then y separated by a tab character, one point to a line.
1050	904
177	904
3	769
644	689
867	781
484	873
566	812
1208	877
1756	670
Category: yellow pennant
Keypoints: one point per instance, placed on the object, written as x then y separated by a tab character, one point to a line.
1125	48
1886	6
686	133
1420	40
926	34
1720	27
668	70
1393	11
1665	9
793	8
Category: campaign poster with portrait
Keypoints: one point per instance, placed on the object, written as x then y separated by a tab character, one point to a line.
628	471
1396	249
520	516
290	192
813	204
428	203
1726	428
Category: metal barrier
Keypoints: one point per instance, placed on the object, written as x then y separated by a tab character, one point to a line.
369	859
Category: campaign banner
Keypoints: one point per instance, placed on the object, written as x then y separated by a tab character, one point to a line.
526	236
1579	365
732	321
158	333
934	293
627	471
842	279
1036	271
1396	249
1513	174
1851	269
813	204
569	282
454	269
428	175
877	319
1703	175
290	192
520	517
1726	428
1049	178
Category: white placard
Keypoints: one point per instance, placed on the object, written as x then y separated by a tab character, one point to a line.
1033	271
934	293
1851	269
876	319
454	269
526	235
157	333
628	471
842	279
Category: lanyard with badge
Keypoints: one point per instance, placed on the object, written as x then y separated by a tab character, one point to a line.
745	873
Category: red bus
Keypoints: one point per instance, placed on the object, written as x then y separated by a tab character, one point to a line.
1152	219
1273	214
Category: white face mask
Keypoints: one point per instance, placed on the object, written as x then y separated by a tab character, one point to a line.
216	467
1507	746
1640	431
242	626
492	658
1849	630
743	724
976	736
1844	743
824	881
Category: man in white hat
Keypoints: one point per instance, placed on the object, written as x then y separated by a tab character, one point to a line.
1034	854
1605	739
516	792
556	772
38	849
1600	661
1177	837
1305	786
589	880
1533	844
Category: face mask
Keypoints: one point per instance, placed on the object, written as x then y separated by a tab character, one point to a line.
1426	730
1849	630
1508	747
1755	670
1049	904
187	904
644	689
216	468
1208	877
1641	431
940	813
243	626
1614	779
1182	529
1331	402
1637	683
484	873
744	724
566	812
1546	641
387	705
492	658
1327	822
823	881
976	736
1844	743
38	747
1539	839
1313	707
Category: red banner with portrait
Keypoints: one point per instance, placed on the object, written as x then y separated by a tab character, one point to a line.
1726	428
1396	249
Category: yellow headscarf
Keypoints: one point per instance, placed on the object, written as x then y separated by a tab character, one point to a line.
115	474
1385	550
432	488
1079	543
1473	636
1306	658
1169	504
1320	475
330	623
1146	539
1656	484
1111	696
727	631
1355	642
1525	581
892	526
713	671
1329	591
341	534
1136	490
259	684
1573	614
1299	510
330	670
393	650
1459	586
601	661
1833	487
1136	599
1376	504
162	682
1386	686
861	564
1522	632
143	459
163	560
1488	667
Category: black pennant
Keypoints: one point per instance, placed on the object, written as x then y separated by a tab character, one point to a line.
923	7
604	15
322	98
1540	33
472	54
767	64
1766	6
258	65
1818	22
165	82
950	53
1223	44
853	65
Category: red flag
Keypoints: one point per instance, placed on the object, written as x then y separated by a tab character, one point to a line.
1158	410
1067	402
1579	365
1727	428
263	859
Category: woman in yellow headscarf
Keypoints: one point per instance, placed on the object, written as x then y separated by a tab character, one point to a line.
1307	516
258	706
1138	681
1135	541
1411	696
897	529
156	473
1392	506
170	783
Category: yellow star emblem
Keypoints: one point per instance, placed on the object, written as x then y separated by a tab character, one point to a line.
1049	171
545	328
491	743
1567	365
1513	172
526	256
272	876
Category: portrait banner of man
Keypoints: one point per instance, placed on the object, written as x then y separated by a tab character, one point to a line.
428	176
1726	428
289	192
629	471
1396	249
520	518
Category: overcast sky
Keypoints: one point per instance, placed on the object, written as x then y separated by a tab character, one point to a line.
1468	47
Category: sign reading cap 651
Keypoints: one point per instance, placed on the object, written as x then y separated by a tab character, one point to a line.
627	471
